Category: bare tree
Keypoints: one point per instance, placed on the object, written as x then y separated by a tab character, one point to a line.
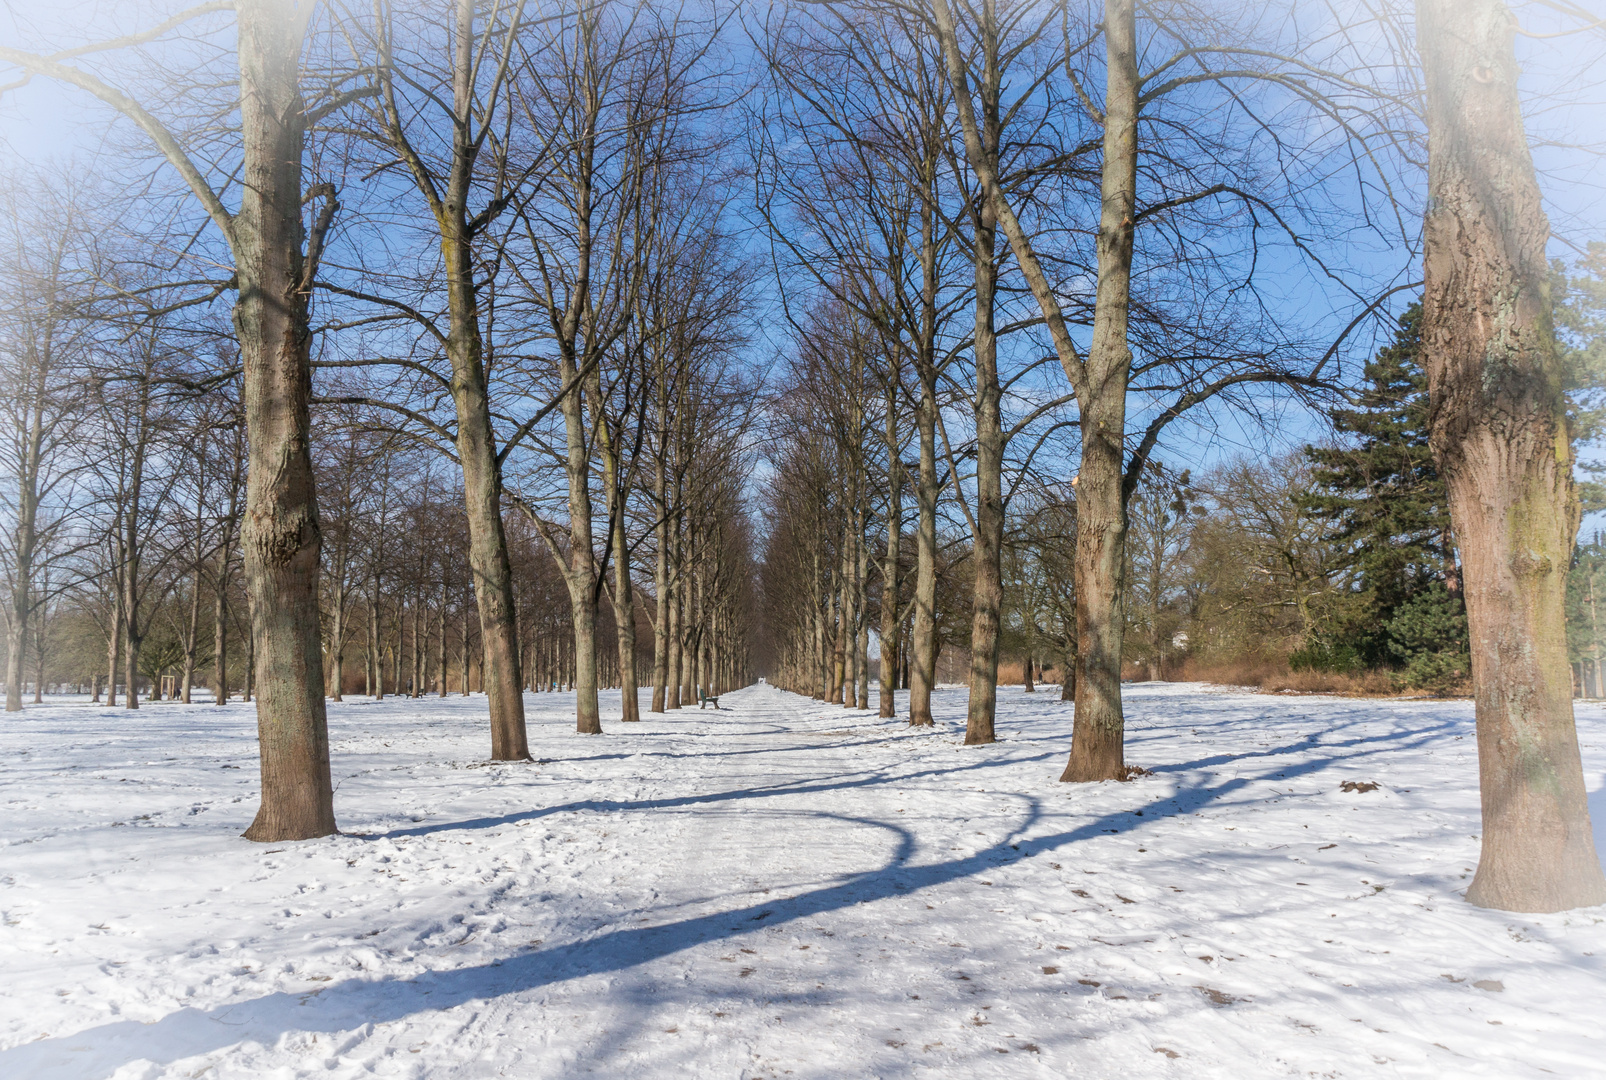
44	336
275	263
449	125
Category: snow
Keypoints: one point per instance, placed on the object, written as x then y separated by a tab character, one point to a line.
780	889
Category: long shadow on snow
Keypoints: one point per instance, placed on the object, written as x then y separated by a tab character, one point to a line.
347	1005
1396	739
790	787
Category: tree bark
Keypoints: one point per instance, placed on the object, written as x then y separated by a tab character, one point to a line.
1500	436
891	644
660	565
671	616
280	534
220	632
624	612
280	537
440	628
988	587
1098	734
114	640
923	647
337	629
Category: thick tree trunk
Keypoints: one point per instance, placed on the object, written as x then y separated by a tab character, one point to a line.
487	538
584	614
280	535
1097	751
580	574
1499	432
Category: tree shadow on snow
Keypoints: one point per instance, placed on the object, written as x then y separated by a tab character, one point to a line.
350	1004
763	791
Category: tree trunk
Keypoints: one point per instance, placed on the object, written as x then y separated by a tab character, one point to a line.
672	641
862	620
988	589
220	631
688	621
280	535
487	544
113	640
839	619
850	607
580	574
376	662
624	615
16	643
660	586
130	608
24	539
192	630
337	629
923	647
891	643
440	628
1068	669
1097	751
192	626
1500	436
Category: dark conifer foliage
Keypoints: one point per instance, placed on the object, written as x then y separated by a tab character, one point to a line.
1384	500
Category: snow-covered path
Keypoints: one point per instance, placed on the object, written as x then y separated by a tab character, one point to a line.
780	889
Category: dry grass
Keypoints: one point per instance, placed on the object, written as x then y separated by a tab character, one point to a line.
1359	684
1251	671
1271	675
1013	673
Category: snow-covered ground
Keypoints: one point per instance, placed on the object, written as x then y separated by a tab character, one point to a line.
781	889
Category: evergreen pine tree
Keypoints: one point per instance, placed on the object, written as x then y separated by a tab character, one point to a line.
1382	496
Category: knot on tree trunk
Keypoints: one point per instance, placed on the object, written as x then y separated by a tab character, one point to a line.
279	544
1529	563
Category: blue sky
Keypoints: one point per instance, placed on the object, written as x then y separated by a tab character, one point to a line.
1564	79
